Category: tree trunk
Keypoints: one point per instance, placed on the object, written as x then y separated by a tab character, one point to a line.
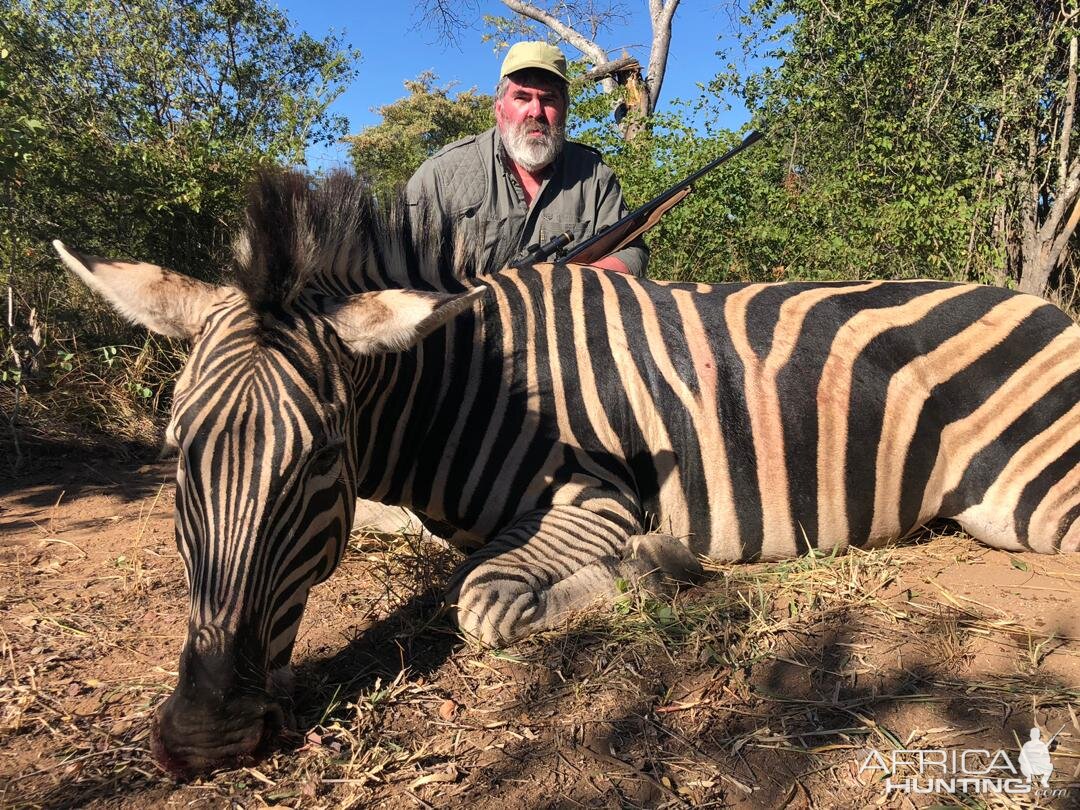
1045	242
1035	275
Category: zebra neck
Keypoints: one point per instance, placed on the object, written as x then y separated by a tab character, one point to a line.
407	405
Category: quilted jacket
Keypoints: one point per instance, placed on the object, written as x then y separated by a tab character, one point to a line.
469	181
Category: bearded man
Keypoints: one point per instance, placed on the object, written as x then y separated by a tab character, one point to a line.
521	182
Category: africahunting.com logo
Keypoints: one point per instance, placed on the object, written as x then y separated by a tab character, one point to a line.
971	770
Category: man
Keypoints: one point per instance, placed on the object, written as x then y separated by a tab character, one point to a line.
518	183
522	182
1035	759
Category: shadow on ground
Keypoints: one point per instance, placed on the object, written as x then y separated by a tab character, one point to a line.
767	735
41	484
765	687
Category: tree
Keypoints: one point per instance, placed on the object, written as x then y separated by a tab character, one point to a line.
1041	118
922	136
579	24
414	128
149	115
131	127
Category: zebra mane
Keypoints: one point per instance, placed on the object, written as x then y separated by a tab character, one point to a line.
336	237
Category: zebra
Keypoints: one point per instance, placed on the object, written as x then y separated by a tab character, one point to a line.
567	426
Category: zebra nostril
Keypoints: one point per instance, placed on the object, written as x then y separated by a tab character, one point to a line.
273	725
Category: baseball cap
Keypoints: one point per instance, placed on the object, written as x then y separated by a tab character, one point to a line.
540	55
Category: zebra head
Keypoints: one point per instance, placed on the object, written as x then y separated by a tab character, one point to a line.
266	477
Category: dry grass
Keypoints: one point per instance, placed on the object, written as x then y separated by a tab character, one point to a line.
69	397
762	688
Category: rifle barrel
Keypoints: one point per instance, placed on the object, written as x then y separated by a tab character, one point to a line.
662	197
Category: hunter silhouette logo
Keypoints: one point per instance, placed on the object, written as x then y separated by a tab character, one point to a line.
974	770
1035	758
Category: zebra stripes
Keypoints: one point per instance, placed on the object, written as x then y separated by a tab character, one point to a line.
755	420
750	421
244	416
570	426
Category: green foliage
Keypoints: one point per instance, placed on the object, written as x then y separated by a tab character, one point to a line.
899	131
18	127
139	122
502	32
715	234
905	139
414	128
132	128
871	167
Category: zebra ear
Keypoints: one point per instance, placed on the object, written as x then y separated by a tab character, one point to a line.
165	302
393	320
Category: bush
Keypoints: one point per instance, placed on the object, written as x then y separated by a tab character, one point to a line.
131	128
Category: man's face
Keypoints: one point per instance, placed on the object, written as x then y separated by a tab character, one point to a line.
530	117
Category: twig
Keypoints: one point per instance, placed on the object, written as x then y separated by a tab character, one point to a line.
626	766
91	755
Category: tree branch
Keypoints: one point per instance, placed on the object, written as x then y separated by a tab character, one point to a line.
1057	230
1029	197
1070	111
662	12
445	17
609	68
1055	250
593	52
1068	179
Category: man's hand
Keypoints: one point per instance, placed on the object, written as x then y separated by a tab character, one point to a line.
611	263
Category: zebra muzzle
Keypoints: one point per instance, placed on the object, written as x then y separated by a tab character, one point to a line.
188	738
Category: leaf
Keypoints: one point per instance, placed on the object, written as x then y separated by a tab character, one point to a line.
1018	564
448	709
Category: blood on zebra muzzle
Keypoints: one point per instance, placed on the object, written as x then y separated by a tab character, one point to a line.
191	736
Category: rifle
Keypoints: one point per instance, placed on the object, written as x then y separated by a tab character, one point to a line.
619	234
1048	742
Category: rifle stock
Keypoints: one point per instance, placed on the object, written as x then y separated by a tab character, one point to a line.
616	238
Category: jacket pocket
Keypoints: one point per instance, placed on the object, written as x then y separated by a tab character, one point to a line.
499	244
579	230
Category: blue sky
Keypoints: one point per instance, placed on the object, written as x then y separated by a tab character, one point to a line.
394	47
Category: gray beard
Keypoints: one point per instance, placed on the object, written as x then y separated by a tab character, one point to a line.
532	154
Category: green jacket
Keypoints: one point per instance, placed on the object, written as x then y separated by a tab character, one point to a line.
469	181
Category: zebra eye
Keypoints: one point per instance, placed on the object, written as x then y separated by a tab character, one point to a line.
325	458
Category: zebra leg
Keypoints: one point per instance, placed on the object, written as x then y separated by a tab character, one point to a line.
547	565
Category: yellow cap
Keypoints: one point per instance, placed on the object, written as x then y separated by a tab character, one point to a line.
538	55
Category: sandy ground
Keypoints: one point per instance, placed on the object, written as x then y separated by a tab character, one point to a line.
768	686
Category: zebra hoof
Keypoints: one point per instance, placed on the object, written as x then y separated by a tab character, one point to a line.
663	555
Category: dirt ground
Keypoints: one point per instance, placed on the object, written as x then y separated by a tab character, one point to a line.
768	686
